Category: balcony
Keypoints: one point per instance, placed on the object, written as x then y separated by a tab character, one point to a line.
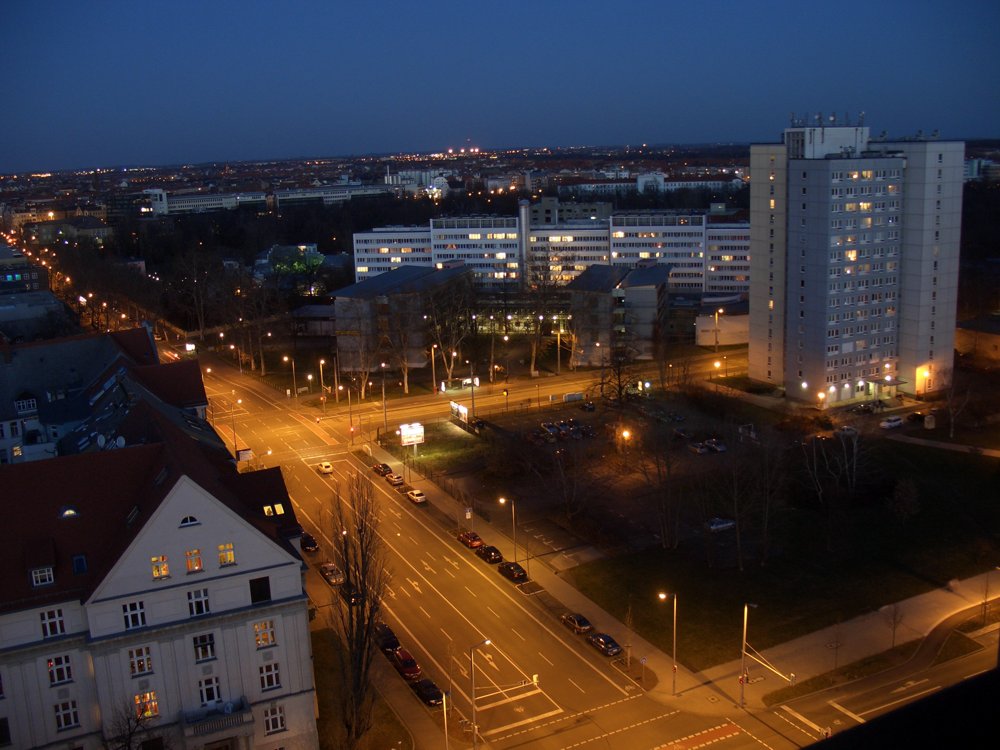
222	716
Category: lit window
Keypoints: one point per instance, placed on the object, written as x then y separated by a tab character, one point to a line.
139	661
52	623
160	567
60	670
227	555
134	614
269	677
263	633
146	705
198	602
41	576
274	719
66	715
204	646
276	510
193	557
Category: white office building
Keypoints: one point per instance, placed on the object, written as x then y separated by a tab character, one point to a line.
854	270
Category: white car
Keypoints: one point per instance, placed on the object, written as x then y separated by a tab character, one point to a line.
417	496
394	479
331	573
890	423
324	467
719	524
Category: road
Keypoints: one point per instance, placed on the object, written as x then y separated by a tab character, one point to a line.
536	684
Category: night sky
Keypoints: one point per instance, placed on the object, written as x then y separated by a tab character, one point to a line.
101	84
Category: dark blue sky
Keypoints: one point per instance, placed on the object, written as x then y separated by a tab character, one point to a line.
141	83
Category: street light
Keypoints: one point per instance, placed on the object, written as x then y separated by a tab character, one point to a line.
350	415
385	417
233	415
295	388
513	523
663	597
743	652
717	314
472	673
309	381
434	382
322	386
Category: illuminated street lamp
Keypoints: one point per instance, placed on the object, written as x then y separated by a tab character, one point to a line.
385	417
233	414
434	382
295	388
472	673
350	416
663	595
309	382
513	523
717	314
322	387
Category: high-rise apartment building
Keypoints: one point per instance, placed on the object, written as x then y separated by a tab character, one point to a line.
854	247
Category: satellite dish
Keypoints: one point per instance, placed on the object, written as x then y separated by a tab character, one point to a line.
101	440
120	441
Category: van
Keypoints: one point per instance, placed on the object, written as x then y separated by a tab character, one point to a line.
890	423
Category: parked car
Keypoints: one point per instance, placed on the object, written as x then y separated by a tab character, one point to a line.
324	467
720	524
681	434
576	622
490	554
394	479
385	639
716	445
890	423
406	665
698	448
351	595
428	692
416	496
308	543
604	643
588	406
513	571
333	575
382	469
470	539
915	416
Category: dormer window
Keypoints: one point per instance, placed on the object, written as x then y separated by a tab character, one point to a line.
42	577
189	521
25	405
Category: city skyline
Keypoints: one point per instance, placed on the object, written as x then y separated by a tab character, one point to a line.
118	84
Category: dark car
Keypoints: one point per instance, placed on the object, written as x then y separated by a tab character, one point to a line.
576	622
681	434
490	554
916	416
470	539
588	406
382	469
428	692
308	543
351	595
513	571
385	639
604	643
406	665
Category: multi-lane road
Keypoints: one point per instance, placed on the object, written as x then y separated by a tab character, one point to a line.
537	685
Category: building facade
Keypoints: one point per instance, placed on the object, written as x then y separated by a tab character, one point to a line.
854	263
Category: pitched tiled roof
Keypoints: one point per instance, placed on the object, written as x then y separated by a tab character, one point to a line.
177	383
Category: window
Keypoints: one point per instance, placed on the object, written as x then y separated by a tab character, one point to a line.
260	590
66	715
198	602
193	557
263	633
189	521
274	719
160	567
227	555
52	623
134	614
60	670
79	564
139	661
208	689
146	705
269	678
41	576
276	510
204	647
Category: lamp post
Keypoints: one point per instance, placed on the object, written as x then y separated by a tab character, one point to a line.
295	387
322	386
385	416
663	597
743	652
434	382
233	415
472	673
472	385
600	356
309	381
717	314
558	347
506	351
513	523
350	416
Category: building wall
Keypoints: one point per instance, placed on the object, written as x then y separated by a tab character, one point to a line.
490	246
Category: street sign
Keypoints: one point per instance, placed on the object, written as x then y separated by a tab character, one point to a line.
468	514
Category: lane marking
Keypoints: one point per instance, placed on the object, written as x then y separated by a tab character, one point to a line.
902	700
576	686
846	712
803	719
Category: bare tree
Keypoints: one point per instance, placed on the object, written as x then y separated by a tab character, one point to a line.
449	318
197	283
893	615
362	553
770	480
955	402
131	727
403	331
